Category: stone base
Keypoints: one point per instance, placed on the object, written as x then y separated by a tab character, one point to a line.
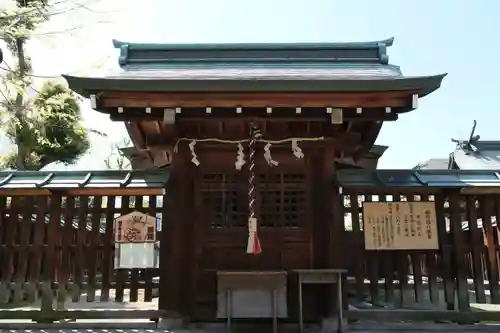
170	323
331	324
175	323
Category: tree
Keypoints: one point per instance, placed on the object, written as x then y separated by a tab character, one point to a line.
46	127
117	159
47	131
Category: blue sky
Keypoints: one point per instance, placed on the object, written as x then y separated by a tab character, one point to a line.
447	36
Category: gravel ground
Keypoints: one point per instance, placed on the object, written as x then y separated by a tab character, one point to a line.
98	305
186	331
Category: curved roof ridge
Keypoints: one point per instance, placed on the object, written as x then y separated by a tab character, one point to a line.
334	45
151	53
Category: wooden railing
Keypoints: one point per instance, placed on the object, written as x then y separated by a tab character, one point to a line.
464	271
59	252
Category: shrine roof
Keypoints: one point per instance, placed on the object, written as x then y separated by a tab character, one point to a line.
468	155
479	155
252	53
460	179
299	67
434	164
111	182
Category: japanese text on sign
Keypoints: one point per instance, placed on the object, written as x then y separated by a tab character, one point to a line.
400	226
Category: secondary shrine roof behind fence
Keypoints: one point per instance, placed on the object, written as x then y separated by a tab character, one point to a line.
112	182
397	179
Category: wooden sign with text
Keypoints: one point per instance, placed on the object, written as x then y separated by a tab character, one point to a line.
400	226
135	227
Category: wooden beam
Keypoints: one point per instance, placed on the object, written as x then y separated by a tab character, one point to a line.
137	135
264	100
82	191
267	117
24	192
369	138
116	191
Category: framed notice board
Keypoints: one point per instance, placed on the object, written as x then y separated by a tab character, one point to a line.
400	226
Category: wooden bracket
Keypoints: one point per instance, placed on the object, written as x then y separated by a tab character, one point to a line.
169	116
163	157
336	116
414	101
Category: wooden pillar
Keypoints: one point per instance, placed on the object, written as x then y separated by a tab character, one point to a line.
172	245
189	243
333	213
334	225
327	228
319	234
337	245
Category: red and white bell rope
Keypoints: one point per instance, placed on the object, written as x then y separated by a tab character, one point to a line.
253	244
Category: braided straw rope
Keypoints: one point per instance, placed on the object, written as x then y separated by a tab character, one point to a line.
251	177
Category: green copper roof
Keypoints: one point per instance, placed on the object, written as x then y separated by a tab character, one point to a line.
59	180
417	178
137	53
315	67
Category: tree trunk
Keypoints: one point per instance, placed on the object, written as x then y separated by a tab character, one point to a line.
19	112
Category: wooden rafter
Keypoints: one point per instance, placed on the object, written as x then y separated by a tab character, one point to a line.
186	117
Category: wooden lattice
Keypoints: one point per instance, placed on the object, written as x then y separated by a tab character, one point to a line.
281	200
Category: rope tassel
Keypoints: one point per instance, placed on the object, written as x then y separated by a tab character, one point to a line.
253	245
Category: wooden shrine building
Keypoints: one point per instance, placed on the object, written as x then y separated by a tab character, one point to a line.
252	130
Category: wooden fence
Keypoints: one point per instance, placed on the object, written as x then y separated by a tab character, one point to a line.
443	284
59	251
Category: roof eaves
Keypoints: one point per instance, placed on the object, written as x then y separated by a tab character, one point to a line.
86	180
378	150
86	86
418	178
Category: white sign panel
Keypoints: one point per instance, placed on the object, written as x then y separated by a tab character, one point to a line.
136	255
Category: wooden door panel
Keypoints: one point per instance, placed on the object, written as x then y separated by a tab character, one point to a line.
284	233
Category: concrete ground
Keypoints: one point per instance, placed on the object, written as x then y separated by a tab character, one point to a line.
145	326
110	330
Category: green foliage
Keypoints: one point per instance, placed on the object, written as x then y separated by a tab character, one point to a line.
53	131
48	127
64	138
17	23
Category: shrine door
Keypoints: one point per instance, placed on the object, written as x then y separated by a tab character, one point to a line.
283	212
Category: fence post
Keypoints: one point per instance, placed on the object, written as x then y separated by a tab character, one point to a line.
46	303
459	256
445	249
49	266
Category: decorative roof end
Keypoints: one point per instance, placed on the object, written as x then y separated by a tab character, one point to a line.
382	53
